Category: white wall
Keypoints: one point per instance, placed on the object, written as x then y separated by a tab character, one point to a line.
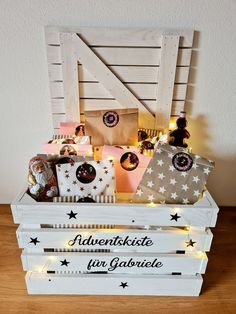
25	119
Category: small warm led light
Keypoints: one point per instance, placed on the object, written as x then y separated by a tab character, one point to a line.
187	228
200	254
151	204
40	269
110	158
52	258
177	210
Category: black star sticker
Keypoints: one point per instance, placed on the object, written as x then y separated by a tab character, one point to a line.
66	171
67	176
98	161
106	172
34	240
72	214
190	243
64	263
74	182
68	190
111	161
72	164
100	179
95	188
175	217
81	189
123	284
59	166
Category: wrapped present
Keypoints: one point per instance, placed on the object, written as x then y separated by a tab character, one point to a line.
68	149
129	167
72	128
86	178
173	176
69	139
115	127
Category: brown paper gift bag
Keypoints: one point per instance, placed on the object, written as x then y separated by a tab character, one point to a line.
112	127
173	176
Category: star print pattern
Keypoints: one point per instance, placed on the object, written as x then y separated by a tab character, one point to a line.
164	182
86	178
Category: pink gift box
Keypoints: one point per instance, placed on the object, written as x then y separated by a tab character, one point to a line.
68	128
68	149
129	167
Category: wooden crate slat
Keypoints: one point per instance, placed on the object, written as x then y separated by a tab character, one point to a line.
107	104
147	37
127	74
57	119
202	214
167	240
190	264
125	56
142	91
70	78
110	82
111	284
58	106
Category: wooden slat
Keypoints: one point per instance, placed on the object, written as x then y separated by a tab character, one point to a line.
111	82
58	106
130	74
70	78
103	104
57	119
141	91
125	56
167	240
147	37
166	91
188	264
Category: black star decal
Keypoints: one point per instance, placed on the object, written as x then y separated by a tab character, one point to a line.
72	214
67	176
175	217
59	166
64	263
100	179
106	172
66	171
68	190
34	240
81	189
111	161
98	161
123	284
74	182
72	164
95	188
190	243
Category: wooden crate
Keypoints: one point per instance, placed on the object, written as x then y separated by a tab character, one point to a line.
122	248
155	257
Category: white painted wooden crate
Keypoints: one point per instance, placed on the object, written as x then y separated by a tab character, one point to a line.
59	259
122	248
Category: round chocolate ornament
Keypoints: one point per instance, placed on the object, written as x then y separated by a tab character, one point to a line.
182	161
129	161
85	173
110	119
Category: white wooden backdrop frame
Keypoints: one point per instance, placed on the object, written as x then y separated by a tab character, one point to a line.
118	68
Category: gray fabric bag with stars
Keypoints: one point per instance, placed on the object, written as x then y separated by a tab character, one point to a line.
173	176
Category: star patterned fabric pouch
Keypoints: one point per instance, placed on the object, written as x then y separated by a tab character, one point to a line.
86	178
173	176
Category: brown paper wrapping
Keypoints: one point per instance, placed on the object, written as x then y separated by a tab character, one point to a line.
123	130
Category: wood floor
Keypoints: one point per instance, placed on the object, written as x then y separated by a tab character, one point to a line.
218	293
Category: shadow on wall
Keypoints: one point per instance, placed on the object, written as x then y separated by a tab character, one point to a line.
222	181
